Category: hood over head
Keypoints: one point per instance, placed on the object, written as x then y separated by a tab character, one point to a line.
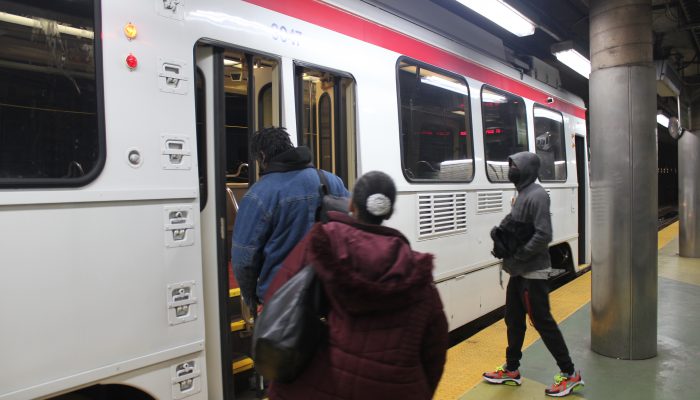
529	165
368	268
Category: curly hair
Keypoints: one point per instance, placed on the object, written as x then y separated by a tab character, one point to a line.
270	141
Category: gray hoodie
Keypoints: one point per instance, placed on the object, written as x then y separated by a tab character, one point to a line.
531	205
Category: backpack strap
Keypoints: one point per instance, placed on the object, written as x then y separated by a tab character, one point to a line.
325	188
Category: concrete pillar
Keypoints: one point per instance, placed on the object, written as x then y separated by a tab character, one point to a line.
623	180
689	187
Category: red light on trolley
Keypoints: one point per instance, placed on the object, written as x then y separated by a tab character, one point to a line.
132	62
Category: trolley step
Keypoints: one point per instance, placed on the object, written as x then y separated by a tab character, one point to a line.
237	325
242	365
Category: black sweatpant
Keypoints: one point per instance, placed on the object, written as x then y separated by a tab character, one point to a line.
531	296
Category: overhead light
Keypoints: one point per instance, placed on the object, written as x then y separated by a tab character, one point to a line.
668	83
232	63
445	84
662	119
311	78
502	14
567	55
545	113
490	97
575	61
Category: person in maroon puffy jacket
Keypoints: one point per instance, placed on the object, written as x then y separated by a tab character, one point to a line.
387	331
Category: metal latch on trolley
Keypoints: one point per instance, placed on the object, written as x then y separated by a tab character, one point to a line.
172	76
171	4
181	302
185	379
179	226
176	152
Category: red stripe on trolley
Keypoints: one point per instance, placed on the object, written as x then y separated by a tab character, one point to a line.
343	22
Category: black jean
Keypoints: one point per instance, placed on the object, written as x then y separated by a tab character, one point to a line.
531	296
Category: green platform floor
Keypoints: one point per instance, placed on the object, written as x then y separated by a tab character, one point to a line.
669	376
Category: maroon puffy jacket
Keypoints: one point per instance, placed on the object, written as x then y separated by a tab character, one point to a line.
387	330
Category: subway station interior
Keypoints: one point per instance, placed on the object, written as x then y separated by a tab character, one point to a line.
124	122
613	370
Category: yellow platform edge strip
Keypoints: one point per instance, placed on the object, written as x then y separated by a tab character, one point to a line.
467	360
667	234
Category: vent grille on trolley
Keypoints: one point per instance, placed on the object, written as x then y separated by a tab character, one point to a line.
488	202
441	214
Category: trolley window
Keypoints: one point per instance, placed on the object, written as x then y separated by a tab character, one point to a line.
549	144
435	120
50	96
326	118
265	108
505	130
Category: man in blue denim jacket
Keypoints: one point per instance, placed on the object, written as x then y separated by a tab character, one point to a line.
276	212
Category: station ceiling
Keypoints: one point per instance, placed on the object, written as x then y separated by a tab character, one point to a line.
676	27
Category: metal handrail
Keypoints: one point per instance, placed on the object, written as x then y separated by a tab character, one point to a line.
238	171
233	199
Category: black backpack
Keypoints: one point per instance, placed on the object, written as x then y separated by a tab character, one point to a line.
329	202
290	328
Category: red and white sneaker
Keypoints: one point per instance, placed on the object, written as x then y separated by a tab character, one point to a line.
503	376
564	384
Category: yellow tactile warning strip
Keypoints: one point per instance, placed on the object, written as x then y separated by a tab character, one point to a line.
667	234
671	265
466	361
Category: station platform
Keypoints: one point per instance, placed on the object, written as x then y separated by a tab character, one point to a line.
670	375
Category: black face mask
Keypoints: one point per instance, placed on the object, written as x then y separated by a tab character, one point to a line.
514	175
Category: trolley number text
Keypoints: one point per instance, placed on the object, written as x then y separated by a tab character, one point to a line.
286	35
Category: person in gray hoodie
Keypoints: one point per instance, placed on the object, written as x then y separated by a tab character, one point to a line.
528	287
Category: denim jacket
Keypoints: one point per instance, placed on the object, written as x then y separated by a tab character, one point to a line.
274	215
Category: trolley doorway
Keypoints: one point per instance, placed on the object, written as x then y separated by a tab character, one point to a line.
237	94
